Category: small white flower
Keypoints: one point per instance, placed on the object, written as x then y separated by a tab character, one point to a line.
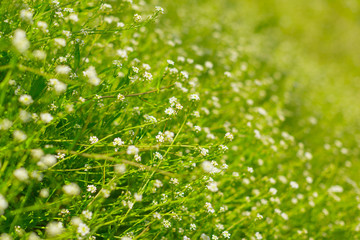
118	142
3	204
54	229
26	99
226	234
20	41
5	124
91	188
273	191
63	69
212	186
83	229
44	193
159	9
93	139
21	174
166	223
170	111
194	97
158	155
73	17
120	97
120	168
42	25
26	15
60	42
87	214
19	135
137	18
148	76
90	72
258	236
132	150
71	189
229	136
46	117
294	184
138	197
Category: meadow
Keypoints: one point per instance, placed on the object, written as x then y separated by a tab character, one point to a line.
126	119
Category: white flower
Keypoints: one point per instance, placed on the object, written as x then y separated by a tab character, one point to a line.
24	116
20	41
160	137
62	69
204	151
229	136
93	139
42	25
19	135
90	72
26	15
118	142
47	161
137	158
226	234
120	97
158	183
87	214
122	53
158	155
3	204
294	184
159	9
148	76
120	168
33	236
21	174
26	99
204	237
73	17
170	111
132	150
83	229
336	189
212	186
46	117
273	191
138	197
194	97
71	189
91	188
60	42
5	124
197	128
54	229
137	18
166	223
44	193
5	236
258	236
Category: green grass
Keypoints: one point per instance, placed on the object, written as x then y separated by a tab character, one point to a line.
210	120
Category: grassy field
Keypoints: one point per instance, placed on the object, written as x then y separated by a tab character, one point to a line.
205	120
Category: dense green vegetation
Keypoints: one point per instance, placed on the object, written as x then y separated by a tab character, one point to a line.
179	120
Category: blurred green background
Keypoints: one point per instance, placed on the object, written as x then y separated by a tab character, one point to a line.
315	44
